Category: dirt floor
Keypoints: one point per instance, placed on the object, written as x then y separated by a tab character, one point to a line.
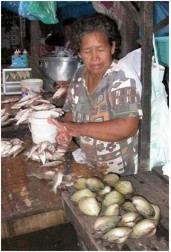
58	238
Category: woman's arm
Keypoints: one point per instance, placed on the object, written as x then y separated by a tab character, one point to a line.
113	130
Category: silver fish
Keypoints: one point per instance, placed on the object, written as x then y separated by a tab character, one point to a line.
6	149
45	175
24	116
14	149
10	100
43	107
5	117
7	122
3	111
19	151
52	163
59	92
58	177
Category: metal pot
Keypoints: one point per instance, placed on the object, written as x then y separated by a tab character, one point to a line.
59	68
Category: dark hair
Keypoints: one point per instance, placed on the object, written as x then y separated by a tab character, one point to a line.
95	23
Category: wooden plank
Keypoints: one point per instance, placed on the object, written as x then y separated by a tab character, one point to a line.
142	186
19	226
146	59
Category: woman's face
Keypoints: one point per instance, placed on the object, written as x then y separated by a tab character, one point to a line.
96	52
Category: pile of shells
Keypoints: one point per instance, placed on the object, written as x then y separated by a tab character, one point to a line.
120	213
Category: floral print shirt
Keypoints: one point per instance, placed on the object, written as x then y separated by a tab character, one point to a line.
114	97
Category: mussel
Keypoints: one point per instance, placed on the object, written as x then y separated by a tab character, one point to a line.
76	196
89	206
105	223
113	197
117	234
143	206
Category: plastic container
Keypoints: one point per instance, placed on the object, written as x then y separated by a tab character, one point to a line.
31	85
162	46
40	128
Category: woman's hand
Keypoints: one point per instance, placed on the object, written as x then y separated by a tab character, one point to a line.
63	138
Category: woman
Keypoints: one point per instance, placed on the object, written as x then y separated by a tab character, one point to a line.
102	104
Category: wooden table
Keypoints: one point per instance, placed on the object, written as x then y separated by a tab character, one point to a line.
153	186
27	203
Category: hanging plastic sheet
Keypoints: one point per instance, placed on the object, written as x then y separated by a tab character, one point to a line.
44	11
34	10
11	5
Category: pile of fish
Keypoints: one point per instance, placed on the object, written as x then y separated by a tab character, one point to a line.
26	105
11	147
58	179
46	153
120	214
6	118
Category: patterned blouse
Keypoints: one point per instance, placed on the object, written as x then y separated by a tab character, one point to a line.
114	97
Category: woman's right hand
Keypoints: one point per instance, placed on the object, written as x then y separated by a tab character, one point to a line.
62	138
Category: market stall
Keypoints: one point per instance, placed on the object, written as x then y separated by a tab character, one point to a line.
29	201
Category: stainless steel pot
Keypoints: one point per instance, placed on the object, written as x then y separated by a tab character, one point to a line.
59	68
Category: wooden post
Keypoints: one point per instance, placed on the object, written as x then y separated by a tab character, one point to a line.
146	58
35	38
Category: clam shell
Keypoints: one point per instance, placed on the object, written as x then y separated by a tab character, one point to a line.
76	196
143	206
105	223
111	179
89	206
130	219
95	184
156	217
117	234
128	206
143	228
124	187
113	197
80	183
112	209
106	189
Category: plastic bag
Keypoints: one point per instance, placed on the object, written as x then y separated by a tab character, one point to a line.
159	143
44	11
24	12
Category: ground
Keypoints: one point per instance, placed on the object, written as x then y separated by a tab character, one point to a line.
59	238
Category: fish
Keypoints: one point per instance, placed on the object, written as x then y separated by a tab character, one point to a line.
59	92
5	117
19	151
3	111
7	122
24	117
10	100
57	180
14	149
43	107
45	175
52	163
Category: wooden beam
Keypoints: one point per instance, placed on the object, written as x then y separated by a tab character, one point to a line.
160	25
35	38
132	11
146	59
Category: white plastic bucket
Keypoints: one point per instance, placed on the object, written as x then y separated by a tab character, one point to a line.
28	85
40	128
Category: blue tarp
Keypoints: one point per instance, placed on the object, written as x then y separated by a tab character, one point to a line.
79	9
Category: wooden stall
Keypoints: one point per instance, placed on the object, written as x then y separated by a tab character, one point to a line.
28	204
